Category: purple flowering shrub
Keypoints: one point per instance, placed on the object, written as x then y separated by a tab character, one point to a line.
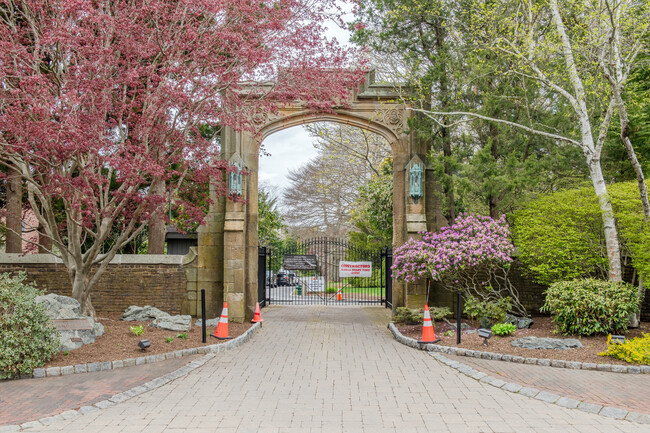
473	255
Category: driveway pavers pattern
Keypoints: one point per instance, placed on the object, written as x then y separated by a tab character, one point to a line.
626	391
331	369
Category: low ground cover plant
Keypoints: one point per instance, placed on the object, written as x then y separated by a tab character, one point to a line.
636	350
28	338
589	306
137	330
503	329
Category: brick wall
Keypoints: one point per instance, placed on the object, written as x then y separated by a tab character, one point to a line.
156	280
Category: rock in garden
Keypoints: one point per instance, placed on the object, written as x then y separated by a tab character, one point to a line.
520	322
547	343
463	326
173	323
209	323
143	314
66	312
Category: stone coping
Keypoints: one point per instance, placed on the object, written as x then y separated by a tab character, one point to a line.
119	259
110	365
209	351
631	369
566	402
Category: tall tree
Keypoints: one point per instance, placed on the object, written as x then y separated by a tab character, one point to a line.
566	51
96	91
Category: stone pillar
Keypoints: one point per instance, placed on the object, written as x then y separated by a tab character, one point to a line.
209	270
400	159
251	159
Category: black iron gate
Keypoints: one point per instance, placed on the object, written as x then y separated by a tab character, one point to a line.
324	271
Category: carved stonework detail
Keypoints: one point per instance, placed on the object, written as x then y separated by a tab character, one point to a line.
393	118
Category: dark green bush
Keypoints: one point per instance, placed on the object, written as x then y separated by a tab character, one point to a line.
589	306
27	338
490	311
407	316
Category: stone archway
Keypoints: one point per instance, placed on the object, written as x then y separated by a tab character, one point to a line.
228	244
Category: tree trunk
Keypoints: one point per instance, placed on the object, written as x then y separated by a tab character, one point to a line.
14	241
493	199
631	156
81	292
609	224
157	229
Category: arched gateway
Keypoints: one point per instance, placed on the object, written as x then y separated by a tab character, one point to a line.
228	244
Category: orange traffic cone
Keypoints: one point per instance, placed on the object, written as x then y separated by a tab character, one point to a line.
339	295
428	335
222	327
257	317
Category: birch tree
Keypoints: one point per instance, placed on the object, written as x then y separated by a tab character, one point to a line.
581	54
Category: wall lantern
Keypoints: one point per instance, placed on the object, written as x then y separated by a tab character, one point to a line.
235	181
416	179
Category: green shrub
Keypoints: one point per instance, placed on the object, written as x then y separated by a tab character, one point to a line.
503	329
589	306
169	339
406	316
439	313
182	336
636	350
28	340
560	236
492	311
137	330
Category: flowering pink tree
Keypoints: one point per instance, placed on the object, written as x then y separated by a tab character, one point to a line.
473	255
101	103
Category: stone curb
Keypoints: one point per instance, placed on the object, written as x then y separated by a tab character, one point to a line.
120	363
209	351
631	369
566	402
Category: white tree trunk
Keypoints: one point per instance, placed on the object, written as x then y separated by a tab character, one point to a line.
609	224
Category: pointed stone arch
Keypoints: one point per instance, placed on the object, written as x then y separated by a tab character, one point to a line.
228	243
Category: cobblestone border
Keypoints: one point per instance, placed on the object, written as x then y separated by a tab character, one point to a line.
566	402
110	365
210	351
574	365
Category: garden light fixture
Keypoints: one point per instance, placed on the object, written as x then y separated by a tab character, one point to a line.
485	334
143	344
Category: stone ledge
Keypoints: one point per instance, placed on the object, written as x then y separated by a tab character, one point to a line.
556	363
550	398
119	259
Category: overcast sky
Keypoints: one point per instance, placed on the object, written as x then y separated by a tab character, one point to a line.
292	147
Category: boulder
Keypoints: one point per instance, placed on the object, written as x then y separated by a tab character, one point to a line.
463	326
142	314
173	323
210	323
547	343
520	322
59	307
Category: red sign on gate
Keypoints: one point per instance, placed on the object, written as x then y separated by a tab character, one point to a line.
355	269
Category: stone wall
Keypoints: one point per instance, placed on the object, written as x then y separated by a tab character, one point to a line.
157	280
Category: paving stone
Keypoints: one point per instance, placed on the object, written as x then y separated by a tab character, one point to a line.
619	368
531	361
9	428
529	392
87	409
518	359
69	414
589	366
641	418
68	369
613	412
31	424
547	397
544	362
604	367
569	403
633	369
118	364
93	366
104	404
53	371
80	368
558	363
130	362
38	372
105	366
590	407
512	387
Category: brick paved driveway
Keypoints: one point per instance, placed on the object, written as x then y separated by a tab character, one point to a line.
332	369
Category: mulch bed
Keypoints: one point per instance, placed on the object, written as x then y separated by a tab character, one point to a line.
118	342
543	327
